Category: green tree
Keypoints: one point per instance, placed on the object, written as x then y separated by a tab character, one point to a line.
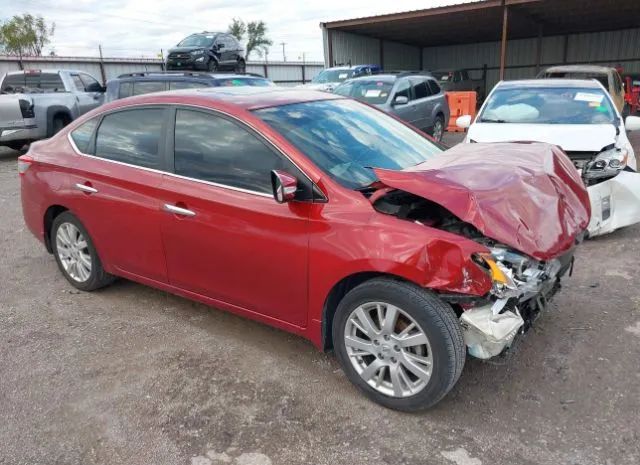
253	33
25	35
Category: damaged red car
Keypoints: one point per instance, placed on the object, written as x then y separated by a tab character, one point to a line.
318	215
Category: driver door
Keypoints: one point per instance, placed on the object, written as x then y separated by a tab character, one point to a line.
407	111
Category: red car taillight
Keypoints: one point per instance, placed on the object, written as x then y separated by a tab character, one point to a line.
24	162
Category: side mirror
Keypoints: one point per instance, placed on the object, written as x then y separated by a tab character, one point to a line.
632	123
220	46
95	87
463	121
400	100
284	186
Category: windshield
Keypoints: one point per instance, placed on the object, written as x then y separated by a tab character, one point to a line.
548	105
345	138
197	40
370	91
243	81
332	75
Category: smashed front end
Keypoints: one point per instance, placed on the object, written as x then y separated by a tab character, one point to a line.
525	204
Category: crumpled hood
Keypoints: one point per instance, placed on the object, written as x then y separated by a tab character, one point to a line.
571	137
526	195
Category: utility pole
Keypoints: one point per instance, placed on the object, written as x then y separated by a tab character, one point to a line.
284	56
102	73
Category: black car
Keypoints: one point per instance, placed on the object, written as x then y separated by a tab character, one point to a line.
127	85
207	51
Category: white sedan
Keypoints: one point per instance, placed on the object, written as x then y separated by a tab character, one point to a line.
578	116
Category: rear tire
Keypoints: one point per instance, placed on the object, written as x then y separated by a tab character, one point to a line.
434	321
437	131
76	255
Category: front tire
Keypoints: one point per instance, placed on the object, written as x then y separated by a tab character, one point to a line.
76	255
241	67
212	66
398	343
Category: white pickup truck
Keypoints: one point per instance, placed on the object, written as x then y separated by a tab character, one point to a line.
35	104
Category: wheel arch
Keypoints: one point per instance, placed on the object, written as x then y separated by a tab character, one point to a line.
55	111
49	215
337	293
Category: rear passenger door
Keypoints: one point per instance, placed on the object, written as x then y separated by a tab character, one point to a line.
223	231
114	188
423	102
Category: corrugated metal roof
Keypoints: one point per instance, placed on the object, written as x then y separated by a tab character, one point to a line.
482	21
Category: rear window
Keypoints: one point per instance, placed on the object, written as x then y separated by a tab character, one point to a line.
373	91
601	78
433	86
32	82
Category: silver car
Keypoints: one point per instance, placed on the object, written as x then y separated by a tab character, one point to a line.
414	97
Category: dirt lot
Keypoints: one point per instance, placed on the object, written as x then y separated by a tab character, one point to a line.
130	375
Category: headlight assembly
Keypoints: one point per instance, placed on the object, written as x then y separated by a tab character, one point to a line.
606	165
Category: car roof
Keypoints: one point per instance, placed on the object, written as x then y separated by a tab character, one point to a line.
375	77
579	69
183	76
241	98
558	82
47	70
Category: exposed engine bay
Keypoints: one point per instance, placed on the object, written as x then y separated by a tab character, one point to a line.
523	289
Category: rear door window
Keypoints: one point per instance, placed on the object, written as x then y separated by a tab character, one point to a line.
132	136
146	87
126	89
433	86
82	135
176	85
420	89
233	157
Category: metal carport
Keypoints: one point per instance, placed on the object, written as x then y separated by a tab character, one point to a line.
503	38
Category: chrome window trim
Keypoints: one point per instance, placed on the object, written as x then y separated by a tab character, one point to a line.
201	181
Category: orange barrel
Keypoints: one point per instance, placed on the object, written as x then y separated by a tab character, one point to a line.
460	103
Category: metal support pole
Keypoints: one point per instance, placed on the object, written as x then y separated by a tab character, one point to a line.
381	47
503	46
539	49
565	49
102	73
330	44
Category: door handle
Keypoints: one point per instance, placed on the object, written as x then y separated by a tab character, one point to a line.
178	210
85	188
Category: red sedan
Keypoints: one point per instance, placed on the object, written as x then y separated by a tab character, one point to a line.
318	215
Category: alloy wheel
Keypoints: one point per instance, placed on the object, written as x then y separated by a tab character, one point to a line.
388	349
438	130
73	251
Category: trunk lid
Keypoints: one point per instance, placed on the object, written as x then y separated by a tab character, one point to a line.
526	195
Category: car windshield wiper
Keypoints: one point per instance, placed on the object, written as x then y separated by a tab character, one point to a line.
489	120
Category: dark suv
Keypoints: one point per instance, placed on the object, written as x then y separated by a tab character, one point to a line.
127	85
207	51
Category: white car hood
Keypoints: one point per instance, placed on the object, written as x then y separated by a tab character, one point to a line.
570	137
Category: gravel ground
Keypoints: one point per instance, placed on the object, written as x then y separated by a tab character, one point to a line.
131	375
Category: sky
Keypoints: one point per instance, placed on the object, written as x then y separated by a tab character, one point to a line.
141	28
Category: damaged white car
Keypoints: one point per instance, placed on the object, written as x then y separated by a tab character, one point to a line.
578	116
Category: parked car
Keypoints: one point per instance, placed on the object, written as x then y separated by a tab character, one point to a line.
207	51
35	104
457	80
127	85
632	94
414	97
580	117
607	76
329	78
264	202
